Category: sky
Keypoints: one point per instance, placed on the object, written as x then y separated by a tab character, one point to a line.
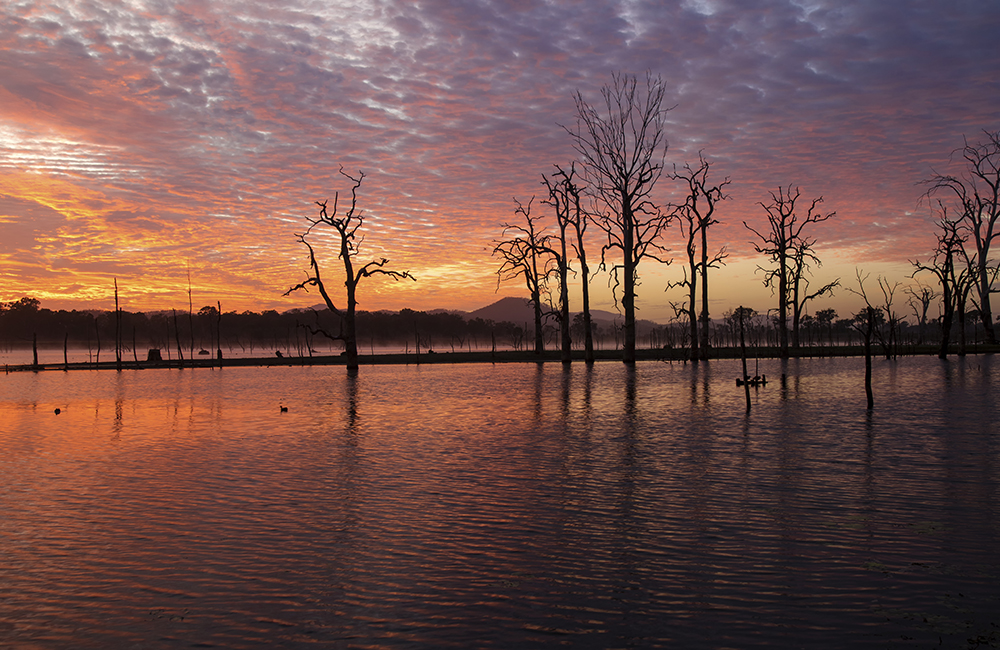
175	144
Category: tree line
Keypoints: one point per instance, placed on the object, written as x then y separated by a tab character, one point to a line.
621	150
206	331
184	335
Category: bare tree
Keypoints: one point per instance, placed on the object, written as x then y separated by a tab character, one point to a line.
920	298
346	227
622	147
697	214
977	192
564	196
689	282
945	266
866	322
799	284
786	245
527	254
888	332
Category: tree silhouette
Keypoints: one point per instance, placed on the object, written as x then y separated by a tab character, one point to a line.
695	216
622	147
791	251
564	196
527	254
346	227
945	266
919	300
977	192
865	322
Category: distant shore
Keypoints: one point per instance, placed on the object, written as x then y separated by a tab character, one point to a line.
479	356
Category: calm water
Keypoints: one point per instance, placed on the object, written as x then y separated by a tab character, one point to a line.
501	506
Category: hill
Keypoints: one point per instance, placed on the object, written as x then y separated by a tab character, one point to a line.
519	311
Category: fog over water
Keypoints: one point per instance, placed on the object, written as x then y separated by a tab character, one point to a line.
507	505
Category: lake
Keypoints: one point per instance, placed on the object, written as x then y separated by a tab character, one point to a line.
509	505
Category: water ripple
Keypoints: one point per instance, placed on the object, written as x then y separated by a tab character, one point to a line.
498	506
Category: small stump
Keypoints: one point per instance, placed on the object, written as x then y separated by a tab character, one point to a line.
154	355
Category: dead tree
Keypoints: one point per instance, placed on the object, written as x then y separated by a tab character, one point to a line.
800	295
948	255
743	313
346	227
977	193
578	219
696	215
888	332
865	322
564	196
526	254
690	283
920	298
789	249
622	147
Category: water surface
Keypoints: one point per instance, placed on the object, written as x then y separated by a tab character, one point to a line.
509	505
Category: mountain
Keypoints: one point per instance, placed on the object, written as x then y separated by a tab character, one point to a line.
515	310
520	311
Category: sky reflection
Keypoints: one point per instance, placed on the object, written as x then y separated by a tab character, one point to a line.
497	505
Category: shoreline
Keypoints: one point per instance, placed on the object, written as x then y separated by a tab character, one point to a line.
500	356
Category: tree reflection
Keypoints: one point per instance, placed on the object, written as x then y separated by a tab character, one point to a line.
701	380
117	424
539	386
351	393
566	385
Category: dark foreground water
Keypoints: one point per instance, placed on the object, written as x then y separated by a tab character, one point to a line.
501	506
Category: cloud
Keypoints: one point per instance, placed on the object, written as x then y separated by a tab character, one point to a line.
204	131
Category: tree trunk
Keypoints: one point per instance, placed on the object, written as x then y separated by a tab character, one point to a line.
946	318
177	339
868	358
703	344
588	335
985	311
628	296
539	335
743	356
961	330
567	342
783	307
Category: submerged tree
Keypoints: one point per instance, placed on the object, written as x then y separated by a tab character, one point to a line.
346	227
526	254
564	196
622	146
865	322
695	216
977	192
791	251
945	265
920	298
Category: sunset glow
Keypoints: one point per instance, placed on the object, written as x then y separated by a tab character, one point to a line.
156	142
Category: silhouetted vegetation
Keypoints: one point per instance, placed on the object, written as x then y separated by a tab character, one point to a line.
346	225
976	195
695	216
790	250
622	147
526	254
261	334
